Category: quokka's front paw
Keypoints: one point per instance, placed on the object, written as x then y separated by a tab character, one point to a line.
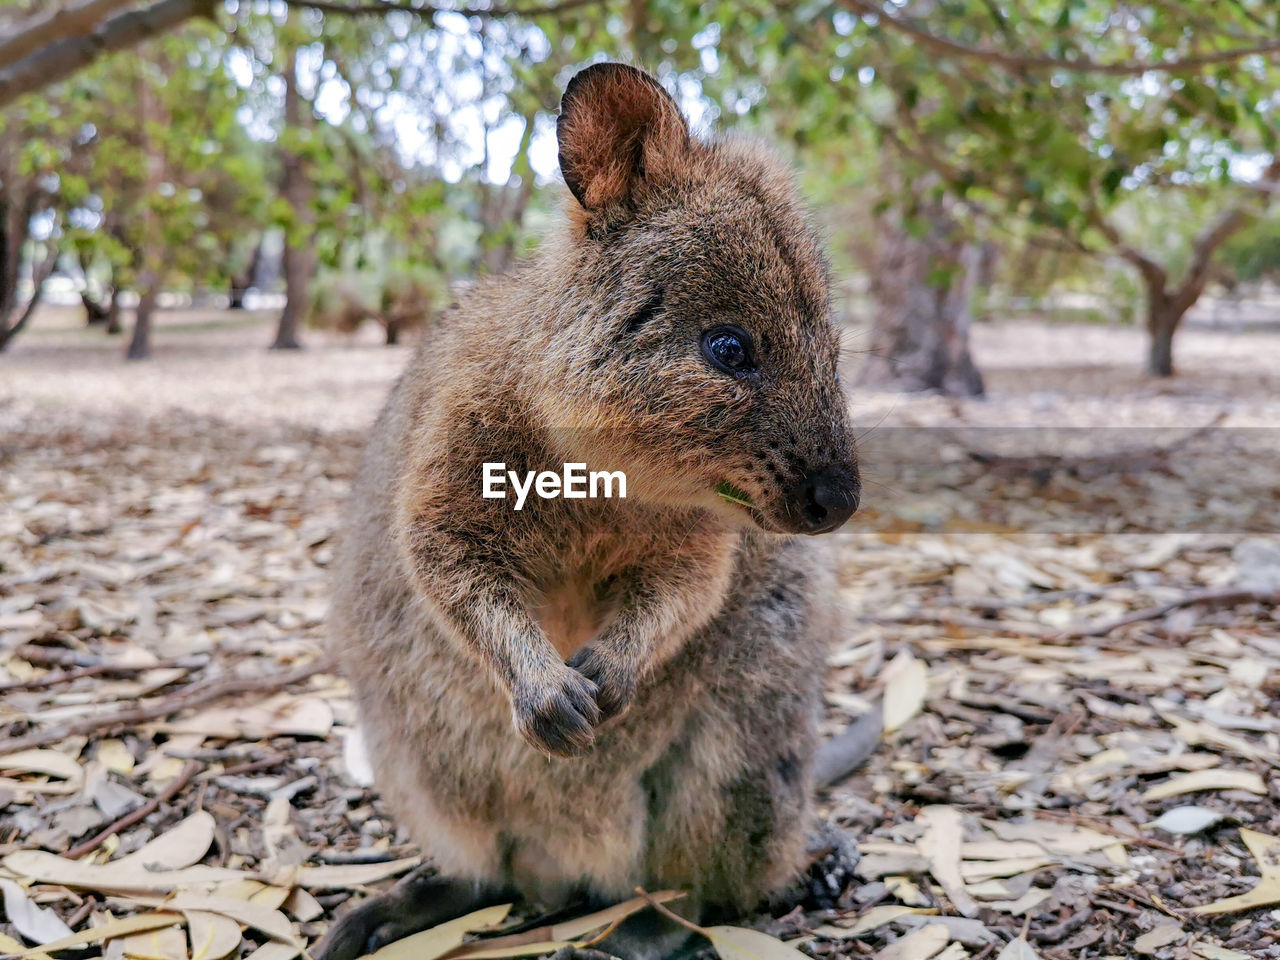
616	683
558	716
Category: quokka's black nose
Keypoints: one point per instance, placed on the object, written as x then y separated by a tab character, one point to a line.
825	499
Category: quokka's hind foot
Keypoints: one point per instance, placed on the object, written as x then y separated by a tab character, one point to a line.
832	870
645	936
419	901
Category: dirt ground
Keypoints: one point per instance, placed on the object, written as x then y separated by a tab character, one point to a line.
1061	598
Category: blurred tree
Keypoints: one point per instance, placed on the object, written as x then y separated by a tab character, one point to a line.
1071	116
46	45
374	132
296	194
923	276
34	144
1253	254
162	176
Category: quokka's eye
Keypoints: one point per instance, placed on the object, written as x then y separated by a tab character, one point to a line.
728	349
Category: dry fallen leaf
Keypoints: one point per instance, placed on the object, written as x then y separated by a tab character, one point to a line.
275	950
49	762
8	945
577	931
1211	951
1017	949
115	756
906	683
1266	850
354	875
921	945
108	931
1185	820
976	871
482	952
1160	936
182	845
302	906
212	935
1024	904
38	925
582	926
48	868
164	943
1061	839
271	922
741	943
940	845
873	918
1207	780
441	939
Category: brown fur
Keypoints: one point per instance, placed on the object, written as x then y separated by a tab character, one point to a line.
695	633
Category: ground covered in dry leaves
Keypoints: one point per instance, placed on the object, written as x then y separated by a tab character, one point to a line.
1083	720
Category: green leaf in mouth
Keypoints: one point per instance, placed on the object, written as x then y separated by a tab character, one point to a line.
731	494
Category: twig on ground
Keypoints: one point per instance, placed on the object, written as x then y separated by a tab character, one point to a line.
174	787
254	766
669	913
1014	628
96	670
184	699
1042	467
1101	826
364	855
1222	596
82	912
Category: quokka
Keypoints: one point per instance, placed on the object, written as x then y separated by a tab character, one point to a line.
565	702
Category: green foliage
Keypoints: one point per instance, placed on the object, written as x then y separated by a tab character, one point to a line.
1080	156
1254	253
172	157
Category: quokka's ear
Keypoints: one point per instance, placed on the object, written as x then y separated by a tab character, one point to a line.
617	127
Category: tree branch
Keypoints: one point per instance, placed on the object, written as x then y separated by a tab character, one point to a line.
1230	222
39	274
377	7
158	708
1154	275
62	58
1020	61
41	30
1202	251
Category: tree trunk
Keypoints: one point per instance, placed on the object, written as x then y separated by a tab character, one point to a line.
95	313
503	208
114	324
7	332
140	342
393	332
243	281
299	262
297	280
923	287
1166	304
1163	318
40	272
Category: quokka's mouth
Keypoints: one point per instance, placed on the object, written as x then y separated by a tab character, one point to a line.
736	496
731	494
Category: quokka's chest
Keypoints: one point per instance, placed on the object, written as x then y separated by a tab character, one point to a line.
579	589
573	611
